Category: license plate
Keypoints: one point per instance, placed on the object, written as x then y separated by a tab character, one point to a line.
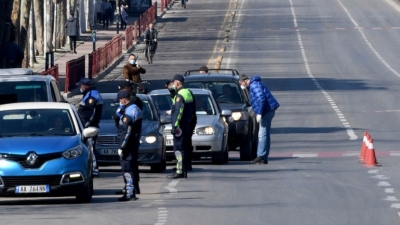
170	142
32	189
108	151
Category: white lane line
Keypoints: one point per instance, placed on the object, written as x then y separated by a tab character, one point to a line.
305	155
395	205
171	187
391	198
383	184
381	177
239	15
350	131
368	42
389	190
373	171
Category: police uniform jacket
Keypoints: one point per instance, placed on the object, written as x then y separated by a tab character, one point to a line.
90	108
130	127
183	109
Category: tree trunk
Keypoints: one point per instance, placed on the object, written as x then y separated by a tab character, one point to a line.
49	15
23	38
38	9
32	57
63	18
5	25
55	27
15	17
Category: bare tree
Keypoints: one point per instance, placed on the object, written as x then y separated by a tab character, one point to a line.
32	57
15	17
23	38
5	25
49	18
63	19
38	9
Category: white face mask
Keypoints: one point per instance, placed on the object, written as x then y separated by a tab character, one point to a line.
121	103
132	61
243	87
81	90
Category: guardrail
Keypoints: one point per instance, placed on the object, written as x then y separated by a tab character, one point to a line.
53	71
75	70
147	17
100	59
164	4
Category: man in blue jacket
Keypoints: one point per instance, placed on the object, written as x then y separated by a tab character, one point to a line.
264	105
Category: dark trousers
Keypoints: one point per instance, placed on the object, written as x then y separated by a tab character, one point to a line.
99	17
183	2
72	43
105	19
123	22
181	144
130	165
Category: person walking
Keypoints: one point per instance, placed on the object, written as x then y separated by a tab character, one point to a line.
72	31
264	105
124	14
90	110
129	133
181	119
106	9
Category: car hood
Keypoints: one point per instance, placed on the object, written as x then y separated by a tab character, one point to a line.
202	121
107	127
232	106
41	145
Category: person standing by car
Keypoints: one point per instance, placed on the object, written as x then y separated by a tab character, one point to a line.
72	31
129	131
150	37
90	110
132	70
181	119
264	105
127	86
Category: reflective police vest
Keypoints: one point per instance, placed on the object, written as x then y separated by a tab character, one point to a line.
182	111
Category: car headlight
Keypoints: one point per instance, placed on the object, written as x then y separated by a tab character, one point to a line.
239	116
72	153
150	139
205	131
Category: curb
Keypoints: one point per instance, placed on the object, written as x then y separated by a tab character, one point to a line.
100	76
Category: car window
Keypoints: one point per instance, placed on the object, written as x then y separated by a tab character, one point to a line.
223	92
55	91
36	122
111	105
204	104
23	91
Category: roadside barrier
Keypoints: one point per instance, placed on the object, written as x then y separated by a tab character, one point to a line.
131	34
367	154
75	70
100	59
53	71
147	17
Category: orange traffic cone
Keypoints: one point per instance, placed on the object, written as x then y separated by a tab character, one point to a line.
370	159
363	147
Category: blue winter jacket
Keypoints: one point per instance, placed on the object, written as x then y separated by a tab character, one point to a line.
261	98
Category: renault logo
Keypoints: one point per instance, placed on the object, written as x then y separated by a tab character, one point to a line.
31	159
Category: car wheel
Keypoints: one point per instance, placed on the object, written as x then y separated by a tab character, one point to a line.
159	167
221	157
85	195
246	149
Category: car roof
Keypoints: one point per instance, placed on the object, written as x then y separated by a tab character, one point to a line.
16	71
196	91
35	105
211	77
114	96
10	78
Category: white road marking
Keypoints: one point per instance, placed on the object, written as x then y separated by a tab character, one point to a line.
383	184
171	187
368	42
381	177
389	190
237	19
373	171
350	131
305	155
395	205
391	198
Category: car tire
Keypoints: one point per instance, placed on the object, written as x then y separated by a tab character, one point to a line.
159	167
85	195
246	149
221	157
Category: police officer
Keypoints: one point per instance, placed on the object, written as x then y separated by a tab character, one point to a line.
181	116
127	86
90	110
193	122
129	132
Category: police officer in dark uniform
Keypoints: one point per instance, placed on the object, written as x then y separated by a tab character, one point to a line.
193	122
181	116
127	86
90	110
129	131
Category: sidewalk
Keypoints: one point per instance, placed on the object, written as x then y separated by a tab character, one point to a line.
85	47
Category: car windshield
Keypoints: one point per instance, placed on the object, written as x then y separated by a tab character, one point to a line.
23	91
223	92
204	104
36	122
111	105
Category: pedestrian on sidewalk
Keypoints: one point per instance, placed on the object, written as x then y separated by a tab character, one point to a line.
98	10
124	14
106	9
113	6
183	3
72	31
264	105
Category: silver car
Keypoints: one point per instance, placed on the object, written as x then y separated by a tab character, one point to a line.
152	144
211	134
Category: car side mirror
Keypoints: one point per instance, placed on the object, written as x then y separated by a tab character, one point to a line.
90	132
165	120
226	112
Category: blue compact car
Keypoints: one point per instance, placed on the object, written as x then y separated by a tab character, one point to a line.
45	151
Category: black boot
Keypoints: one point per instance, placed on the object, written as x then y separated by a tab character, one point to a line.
176	176
137	189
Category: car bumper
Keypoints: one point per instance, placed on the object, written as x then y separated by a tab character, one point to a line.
203	145
150	154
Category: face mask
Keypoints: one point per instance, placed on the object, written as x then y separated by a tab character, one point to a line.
121	103
243	87
172	92
132	61
173	87
81	90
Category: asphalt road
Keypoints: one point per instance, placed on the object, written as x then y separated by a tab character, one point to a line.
333	67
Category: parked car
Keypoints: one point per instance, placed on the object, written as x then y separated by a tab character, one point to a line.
225	88
22	85
152	146
45	151
211	133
